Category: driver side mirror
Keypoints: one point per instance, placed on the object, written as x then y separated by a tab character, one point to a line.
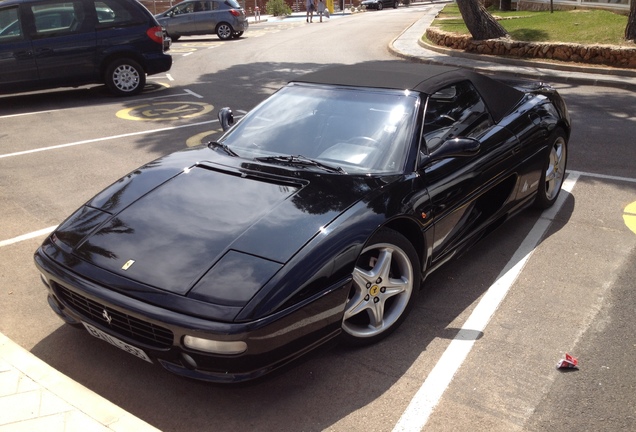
226	118
456	147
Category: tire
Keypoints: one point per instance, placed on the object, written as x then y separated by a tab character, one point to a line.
125	77
553	171
380	6
174	38
386	280
224	31
395	5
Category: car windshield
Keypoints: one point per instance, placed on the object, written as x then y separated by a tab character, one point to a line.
359	130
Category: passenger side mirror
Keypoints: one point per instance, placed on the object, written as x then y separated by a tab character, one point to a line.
456	147
226	118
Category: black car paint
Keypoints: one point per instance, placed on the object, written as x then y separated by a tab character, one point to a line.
442	206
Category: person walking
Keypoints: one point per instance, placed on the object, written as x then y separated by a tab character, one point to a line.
320	8
310	10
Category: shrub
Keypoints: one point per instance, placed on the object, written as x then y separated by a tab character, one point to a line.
277	8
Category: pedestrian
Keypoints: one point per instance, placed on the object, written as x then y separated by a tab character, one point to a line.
321	8
257	13
310	10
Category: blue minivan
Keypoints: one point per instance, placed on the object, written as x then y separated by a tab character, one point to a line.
68	43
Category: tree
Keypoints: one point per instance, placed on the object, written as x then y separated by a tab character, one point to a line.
630	30
481	24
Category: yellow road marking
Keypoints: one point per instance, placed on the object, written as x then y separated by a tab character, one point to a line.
162	111
629	216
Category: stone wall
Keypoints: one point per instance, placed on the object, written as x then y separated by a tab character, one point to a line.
606	55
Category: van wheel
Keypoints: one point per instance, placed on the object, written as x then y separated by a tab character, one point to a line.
125	77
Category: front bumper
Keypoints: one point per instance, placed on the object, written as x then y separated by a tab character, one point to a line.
272	342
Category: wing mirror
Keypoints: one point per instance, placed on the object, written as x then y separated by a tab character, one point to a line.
456	147
226	118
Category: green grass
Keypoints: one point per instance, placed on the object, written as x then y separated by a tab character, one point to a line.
577	26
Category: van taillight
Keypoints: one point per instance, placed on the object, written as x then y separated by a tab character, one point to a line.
156	34
235	12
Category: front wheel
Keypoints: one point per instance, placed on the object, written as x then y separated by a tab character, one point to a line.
386	279
553	172
380	6
125	77
224	31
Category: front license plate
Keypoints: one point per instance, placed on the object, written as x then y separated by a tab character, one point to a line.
118	343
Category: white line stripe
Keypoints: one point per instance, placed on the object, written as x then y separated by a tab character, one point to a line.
27	236
193	94
604	176
26	114
104	139
427	397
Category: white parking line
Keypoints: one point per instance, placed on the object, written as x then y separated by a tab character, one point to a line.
427	397
27	236
77	143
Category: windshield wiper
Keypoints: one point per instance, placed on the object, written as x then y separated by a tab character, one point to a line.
302	161
224	147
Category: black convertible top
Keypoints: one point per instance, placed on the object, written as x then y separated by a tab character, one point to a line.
425	78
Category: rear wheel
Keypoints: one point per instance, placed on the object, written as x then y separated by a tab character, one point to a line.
125	77
386	279
224	31
380	6
174	38
553	172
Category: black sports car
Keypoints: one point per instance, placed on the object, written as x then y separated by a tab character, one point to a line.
380	4
317	215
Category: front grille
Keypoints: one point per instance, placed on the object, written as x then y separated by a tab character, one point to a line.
120	323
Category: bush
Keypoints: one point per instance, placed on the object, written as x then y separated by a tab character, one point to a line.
277	8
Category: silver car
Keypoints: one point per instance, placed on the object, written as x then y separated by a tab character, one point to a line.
226	18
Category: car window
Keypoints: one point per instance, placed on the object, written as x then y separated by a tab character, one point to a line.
454	111
10	26
232	3
58	18
363	131
117	13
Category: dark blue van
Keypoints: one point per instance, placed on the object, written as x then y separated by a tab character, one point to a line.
67	43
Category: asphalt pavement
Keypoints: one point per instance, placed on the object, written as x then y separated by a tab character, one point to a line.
34	396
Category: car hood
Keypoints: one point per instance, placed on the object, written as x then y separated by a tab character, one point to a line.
170	234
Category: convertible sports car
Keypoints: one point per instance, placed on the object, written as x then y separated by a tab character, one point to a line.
318	215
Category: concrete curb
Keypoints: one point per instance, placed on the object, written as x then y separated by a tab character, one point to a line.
48	397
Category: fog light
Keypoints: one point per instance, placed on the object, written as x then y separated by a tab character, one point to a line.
213	346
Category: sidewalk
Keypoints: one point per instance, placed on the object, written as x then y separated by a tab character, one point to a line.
36	397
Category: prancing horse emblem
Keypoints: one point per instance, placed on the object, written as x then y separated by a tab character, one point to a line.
107	317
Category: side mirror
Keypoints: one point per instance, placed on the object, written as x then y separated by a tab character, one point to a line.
456	147
226	118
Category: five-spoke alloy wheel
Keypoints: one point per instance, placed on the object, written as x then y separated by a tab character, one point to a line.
386	279
554	171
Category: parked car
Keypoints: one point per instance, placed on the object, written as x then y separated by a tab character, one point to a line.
318	215
225	18
59	43
380	4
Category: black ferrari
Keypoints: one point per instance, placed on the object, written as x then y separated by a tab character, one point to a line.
318	215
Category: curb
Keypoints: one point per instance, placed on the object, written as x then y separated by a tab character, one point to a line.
85	409
409	45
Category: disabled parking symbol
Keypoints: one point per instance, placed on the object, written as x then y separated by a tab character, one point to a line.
629	216
162	111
